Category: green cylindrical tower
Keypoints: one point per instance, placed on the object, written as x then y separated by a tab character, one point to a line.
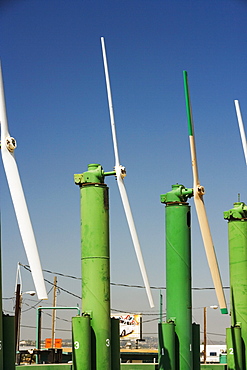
95	262
81	342
167	350
115	344
237	235
196	346
9	353
178	272
234	348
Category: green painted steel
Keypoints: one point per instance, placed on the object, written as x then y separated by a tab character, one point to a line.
235	359
95	262
167	355
188	105
178	272
81	343
196	346
237	235
115	344
8	342
178	194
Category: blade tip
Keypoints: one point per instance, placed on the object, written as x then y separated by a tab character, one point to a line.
151	302
224	311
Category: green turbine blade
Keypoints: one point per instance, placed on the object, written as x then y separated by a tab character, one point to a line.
188	105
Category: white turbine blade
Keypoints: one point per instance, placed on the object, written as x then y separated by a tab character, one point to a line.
241	128
134	236
205	230
19	202
24	222
196	180
122	190
110	104
200	207
210	251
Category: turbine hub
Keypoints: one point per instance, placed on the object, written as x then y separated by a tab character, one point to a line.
11	144
120	171
200	190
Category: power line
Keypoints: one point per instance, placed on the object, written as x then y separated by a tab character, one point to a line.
27	267
115	284
49	282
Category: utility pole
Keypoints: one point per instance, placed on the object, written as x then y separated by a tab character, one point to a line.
205	335
17	316
53	329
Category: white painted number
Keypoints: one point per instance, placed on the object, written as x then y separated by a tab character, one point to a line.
76	345
107	342
231	351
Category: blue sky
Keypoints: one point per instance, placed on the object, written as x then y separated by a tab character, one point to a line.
58	113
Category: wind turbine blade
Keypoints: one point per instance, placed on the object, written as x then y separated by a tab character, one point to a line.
3	113
210	251
110	104
19	201
134	236
191	132
200	207
119	174
241	128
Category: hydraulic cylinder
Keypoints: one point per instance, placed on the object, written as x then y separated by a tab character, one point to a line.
237	236
234	348
95	262
115	344
196	346
167	355
81	341
178	272
8	326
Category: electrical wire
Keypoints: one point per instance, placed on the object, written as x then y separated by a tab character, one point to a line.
27	267
113	284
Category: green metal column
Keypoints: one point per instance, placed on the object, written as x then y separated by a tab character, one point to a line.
8	342
178	272
196	346
234	348
95	262
237	235
81	342
167	355
115	344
